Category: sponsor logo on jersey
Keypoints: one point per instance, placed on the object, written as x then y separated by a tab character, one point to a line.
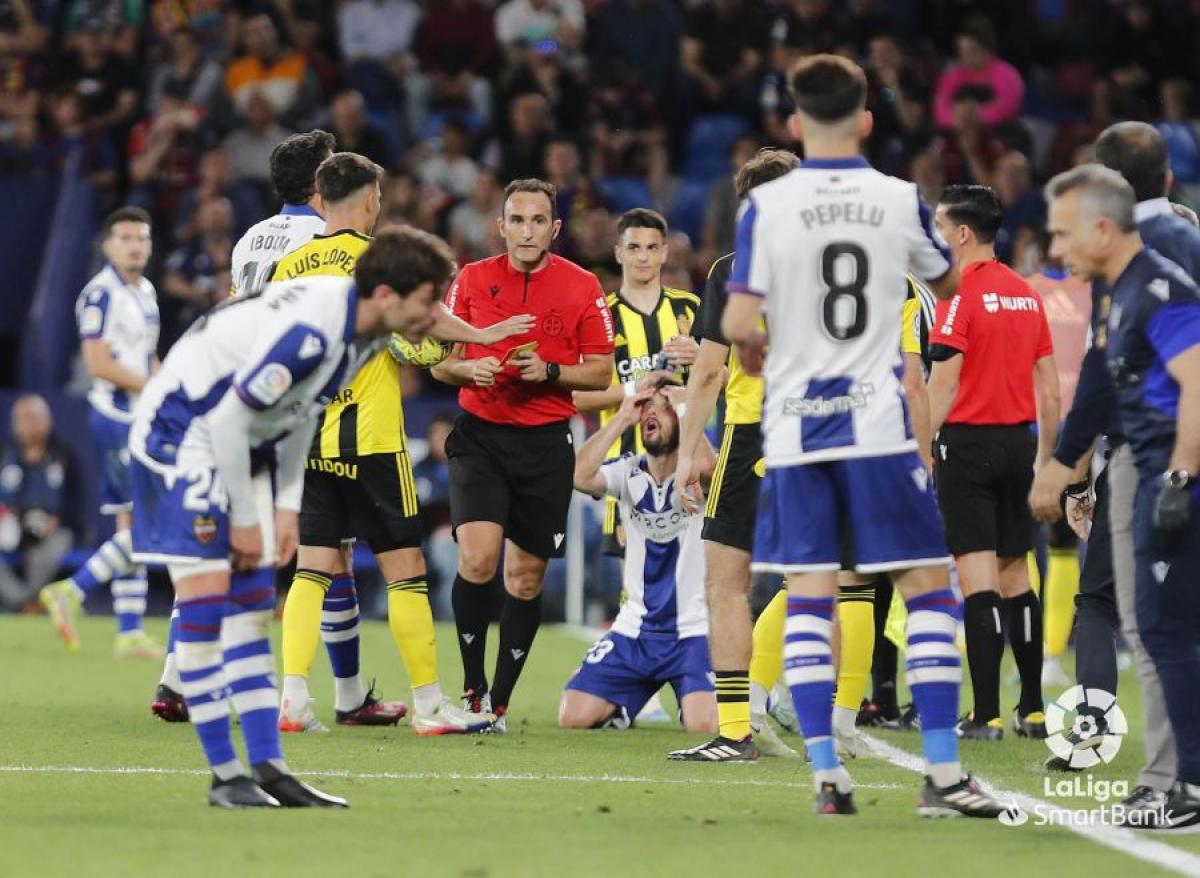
821	407
552	324
270	384
607	315
948	326
337	468
993	302
1160	288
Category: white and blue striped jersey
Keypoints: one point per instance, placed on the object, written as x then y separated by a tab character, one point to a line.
282	351
664	558
827	247
125	317
257	252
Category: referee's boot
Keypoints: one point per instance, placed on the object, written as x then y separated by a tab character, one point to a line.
290	792
719	749
1031	725
239	792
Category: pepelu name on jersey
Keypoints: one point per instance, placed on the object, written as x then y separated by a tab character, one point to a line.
822	407
855	213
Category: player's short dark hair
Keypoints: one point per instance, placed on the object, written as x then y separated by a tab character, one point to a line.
532	184
343	174
403	258
828	88
124	215
763	167
1138	153
642	218
976	207
294	164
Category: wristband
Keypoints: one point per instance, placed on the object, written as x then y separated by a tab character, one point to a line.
1077	489
630	388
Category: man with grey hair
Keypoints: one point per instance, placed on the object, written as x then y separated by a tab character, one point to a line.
1151	343
1136	151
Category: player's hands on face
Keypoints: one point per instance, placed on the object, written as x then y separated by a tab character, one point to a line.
1079	510
654	380
486	370
687	483
531	366
517	325
630	410
287	535
682	350
1046	494
246	543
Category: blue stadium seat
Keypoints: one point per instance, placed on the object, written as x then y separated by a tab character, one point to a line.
625	193
689	207
708	145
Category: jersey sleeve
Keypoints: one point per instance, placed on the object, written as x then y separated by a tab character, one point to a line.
596	324
457	300
1045	346
613	470
928	254
93	315
1173	328
712	303
293	357
751	272
910	327
954	323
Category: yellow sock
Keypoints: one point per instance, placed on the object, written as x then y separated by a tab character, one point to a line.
733	704
1035	575
1058	598
766	661
856	614
302	621
411	622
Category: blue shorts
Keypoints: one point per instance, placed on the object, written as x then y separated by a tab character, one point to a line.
627	671
174	519
884	508
111	439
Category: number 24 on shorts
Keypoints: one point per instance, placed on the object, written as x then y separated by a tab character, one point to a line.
204	490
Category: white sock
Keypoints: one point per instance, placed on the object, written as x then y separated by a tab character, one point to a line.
295	691
838	776
843	721
427	698
170	674
759	695
229	770
945	774
348	693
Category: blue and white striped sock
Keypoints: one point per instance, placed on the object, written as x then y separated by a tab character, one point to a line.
934	673
129	601
170	674
203	681
808	670
112	560
249	666
339	632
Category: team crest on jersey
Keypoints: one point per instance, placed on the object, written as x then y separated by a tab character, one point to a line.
991	302
205	529
552	324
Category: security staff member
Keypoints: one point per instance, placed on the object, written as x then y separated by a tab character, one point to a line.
992	353
512	463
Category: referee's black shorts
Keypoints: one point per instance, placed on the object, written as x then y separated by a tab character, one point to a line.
519	477
372	497
983	475
732	506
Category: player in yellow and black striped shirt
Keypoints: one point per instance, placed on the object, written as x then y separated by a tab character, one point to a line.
359	483
653	326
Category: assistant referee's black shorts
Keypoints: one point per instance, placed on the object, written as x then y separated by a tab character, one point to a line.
983	475
732	506
519	477
372	497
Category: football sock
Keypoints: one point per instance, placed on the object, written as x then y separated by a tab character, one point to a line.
410	619
766	659
1025	636
856	615
985	648
302	621
933	669
472	603
808	669
733	704
113	559
339	632
885	658
202	672
249	666
129	601
1058	598
170	674
519	622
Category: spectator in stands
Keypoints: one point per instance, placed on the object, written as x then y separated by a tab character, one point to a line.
1139	51
268	70
472	224
542	70
576	196
376	39
721	54
432	477
626	132
355	132
721	216
680	269
164	154
520	151
404	202
186	72
1016	242
119	20
1181	132
457	47
928	171
449	168
216	181
996	83
639	36
197	274
774	99
40	499
813	24
69	141
105	82
521	23
25	27
970	149
249	145
205	20
1070	136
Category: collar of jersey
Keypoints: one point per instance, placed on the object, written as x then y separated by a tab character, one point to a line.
845	164
351	313
509	268
1143	210
298	210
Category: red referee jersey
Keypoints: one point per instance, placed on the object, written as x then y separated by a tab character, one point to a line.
572	320
997	320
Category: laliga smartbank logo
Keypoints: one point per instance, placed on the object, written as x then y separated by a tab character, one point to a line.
1085	727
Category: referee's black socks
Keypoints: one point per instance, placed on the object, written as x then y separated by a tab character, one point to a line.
1024	616
519	621
985	648
472	603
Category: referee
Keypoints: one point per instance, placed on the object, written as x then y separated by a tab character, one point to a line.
992	356
512	463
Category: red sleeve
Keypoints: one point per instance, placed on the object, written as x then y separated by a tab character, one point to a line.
457	298
596	323
953	322
1045	347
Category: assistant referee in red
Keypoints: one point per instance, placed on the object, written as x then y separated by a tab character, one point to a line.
512	462
993	377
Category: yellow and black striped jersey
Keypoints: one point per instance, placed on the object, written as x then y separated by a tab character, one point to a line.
743	393
920	309
367	416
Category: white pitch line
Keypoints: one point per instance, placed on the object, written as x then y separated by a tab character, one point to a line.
434	775
1127	841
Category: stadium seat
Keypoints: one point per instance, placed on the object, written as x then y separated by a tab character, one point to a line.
689	207
708	145
625	193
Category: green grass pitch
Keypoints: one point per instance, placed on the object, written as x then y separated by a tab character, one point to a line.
78	747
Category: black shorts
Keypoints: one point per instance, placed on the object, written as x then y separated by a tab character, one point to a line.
983	476
372	497
612	534
732	506
519	477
